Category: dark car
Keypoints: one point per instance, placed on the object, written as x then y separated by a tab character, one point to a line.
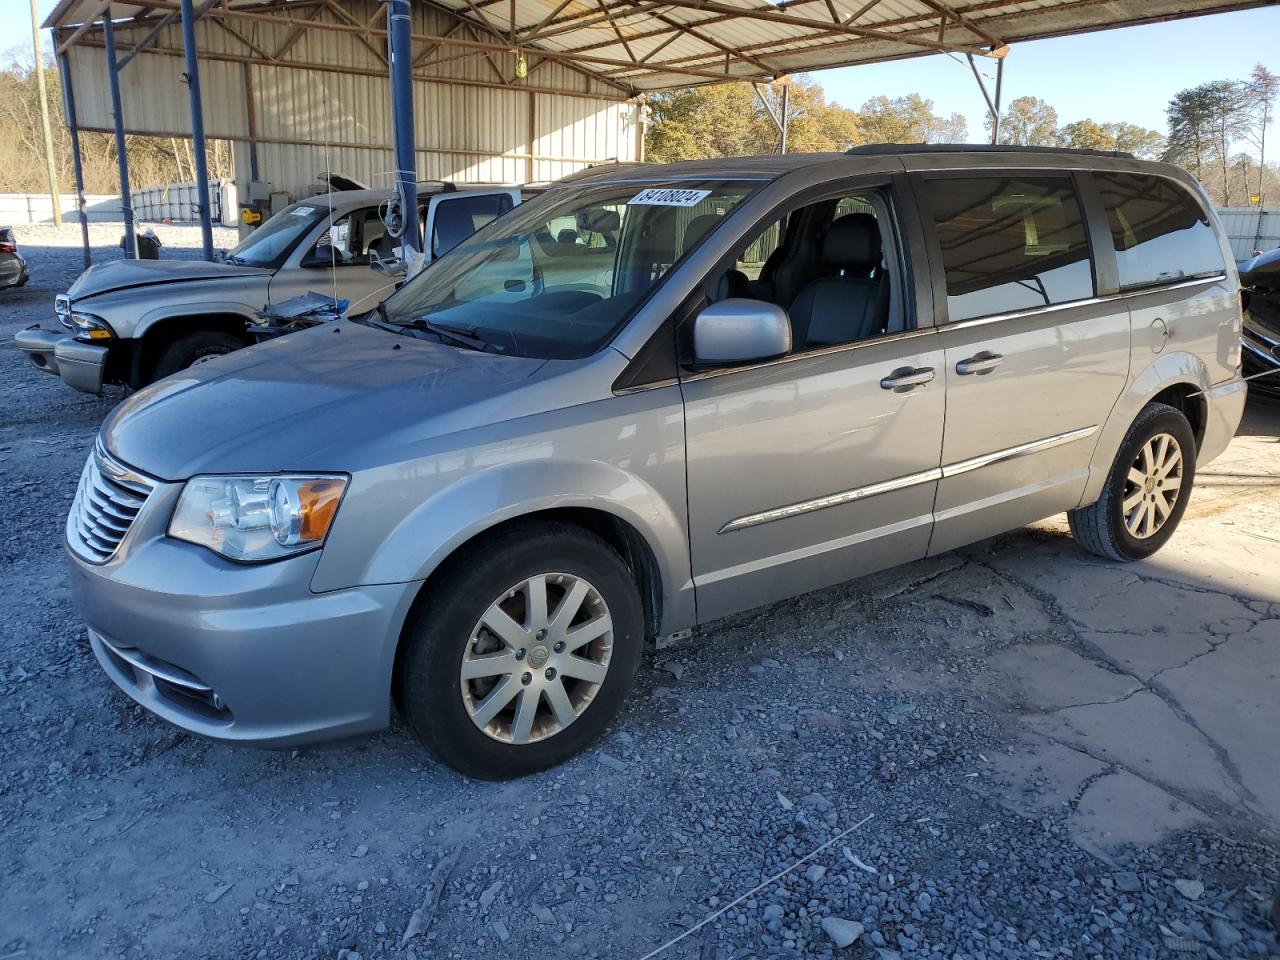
1260	278
13	269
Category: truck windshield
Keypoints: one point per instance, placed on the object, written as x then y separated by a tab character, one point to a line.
557	277
270	243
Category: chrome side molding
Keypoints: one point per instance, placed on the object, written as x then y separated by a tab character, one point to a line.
908	480
1022	449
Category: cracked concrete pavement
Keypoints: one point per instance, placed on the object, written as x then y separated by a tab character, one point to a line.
1149	693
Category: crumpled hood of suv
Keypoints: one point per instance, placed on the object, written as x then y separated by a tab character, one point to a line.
127	274
337	397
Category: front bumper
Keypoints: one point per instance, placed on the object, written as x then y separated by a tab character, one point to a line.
1261	357
239	653
80	365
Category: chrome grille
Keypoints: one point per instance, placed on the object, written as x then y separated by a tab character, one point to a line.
62	307
107	501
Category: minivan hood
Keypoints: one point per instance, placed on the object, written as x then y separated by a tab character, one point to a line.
126	274
338	397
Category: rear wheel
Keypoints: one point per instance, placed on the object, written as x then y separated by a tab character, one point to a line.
1146	491
522	652
194	348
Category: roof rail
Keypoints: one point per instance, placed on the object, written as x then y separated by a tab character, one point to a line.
883	149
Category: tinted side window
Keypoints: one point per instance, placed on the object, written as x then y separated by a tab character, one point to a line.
1160	233
1009	243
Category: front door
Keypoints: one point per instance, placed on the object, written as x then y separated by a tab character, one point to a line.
1034	360
337	262
823	464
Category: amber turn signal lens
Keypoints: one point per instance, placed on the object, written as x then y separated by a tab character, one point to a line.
317	503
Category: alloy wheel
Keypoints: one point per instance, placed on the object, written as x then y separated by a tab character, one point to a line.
1152	486
536	658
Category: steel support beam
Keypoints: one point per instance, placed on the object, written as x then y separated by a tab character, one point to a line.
197	127
122	160
400	55
73	128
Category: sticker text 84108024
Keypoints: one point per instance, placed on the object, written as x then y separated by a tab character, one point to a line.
668	197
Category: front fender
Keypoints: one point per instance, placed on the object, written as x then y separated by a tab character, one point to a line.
432	530
1163	371
172	311
132	311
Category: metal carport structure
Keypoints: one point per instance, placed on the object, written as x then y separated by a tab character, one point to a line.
497	90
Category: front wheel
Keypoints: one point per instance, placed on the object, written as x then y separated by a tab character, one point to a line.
522	651
1146	491
192	349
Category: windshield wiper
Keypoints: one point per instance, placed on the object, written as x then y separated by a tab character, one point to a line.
461	336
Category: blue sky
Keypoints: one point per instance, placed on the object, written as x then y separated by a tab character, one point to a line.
1125	74
1111	75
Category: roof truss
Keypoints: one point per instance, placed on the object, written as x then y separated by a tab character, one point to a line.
632	46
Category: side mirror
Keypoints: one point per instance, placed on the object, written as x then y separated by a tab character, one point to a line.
319	257
738	330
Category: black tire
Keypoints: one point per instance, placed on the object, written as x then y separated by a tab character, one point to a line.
428	681
192	348
1100	527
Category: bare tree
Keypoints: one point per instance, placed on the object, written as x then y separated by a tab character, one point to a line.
1260	92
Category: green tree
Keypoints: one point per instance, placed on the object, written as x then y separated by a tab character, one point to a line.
1029	122
1128	137
720	120
729	120
1143	143
909	119
1204	121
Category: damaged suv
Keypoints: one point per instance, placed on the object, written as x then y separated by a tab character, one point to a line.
649	398
134	322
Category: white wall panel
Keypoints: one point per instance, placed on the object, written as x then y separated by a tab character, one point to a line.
473	122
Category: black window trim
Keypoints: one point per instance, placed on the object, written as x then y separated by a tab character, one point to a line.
1197	200
916	291
1102	266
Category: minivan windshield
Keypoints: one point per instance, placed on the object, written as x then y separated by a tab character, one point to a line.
557	277
270	243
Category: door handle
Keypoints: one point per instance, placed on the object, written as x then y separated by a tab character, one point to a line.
983	362
907	378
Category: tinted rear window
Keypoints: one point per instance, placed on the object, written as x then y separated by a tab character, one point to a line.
1160	233
1009	243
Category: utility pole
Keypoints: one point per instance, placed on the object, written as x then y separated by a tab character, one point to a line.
44	118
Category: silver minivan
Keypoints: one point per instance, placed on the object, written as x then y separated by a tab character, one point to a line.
649	398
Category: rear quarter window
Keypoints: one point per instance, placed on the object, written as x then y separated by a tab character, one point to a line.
1009	243
1160	233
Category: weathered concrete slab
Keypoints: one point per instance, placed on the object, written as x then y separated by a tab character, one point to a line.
1232	695
1144	735
1120	810
1050	676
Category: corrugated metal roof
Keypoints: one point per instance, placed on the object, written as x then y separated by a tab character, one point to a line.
631	46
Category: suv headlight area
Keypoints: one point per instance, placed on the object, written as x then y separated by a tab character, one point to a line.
89	327
260	518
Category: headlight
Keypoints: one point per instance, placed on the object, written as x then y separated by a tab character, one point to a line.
89	327
257	518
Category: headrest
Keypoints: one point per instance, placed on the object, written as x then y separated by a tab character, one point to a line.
598	220
852	241
699	227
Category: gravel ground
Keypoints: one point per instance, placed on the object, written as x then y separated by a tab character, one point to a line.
853	737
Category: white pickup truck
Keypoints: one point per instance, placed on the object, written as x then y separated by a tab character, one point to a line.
136	321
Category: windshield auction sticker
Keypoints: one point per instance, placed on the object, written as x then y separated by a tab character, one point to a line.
668	197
